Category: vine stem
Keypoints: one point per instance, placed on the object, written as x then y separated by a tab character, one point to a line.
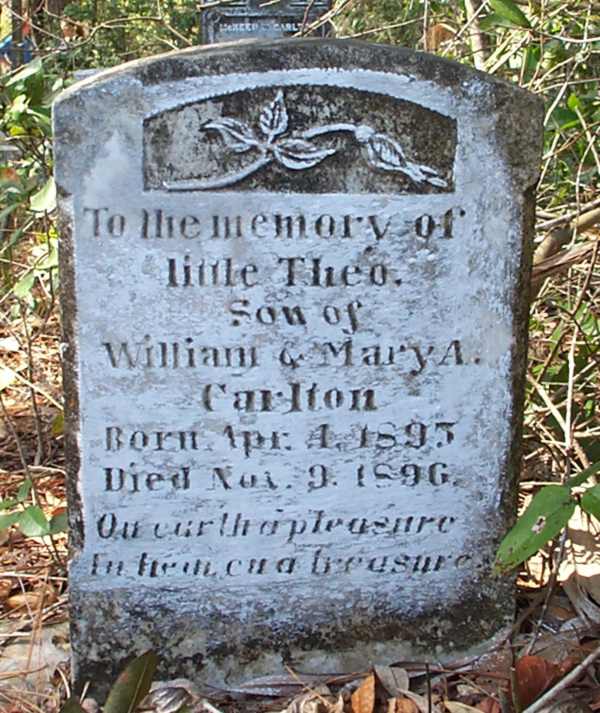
199	185
327	129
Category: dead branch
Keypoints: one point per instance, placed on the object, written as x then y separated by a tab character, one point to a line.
559	237
476	38
561	262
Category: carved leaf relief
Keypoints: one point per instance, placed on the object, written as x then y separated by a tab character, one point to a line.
274	118
299	152
385	153
237	136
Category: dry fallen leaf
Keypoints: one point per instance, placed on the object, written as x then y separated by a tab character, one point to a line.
402	705
7	376
458	707
394	680
9	344
560	613
534	676
6	586
8	174
337	707
363	699
278	686
424	705
580	569
558	647
23	600
90	705
436	35
32	600
317	700
463	690
488	705
567	704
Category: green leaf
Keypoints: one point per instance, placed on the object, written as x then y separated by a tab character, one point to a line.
547	514
33	522
59	523
45	199
72	705
43	121
493	20
23	287
8	520
58	425
510	11
564	118
18	106
590	501
28	71
6	504
24	490
580	478
132	685
573	102
51	260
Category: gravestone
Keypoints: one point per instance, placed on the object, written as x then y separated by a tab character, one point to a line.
295	280
248	19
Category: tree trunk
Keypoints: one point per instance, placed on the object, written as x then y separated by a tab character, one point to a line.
55	7
17	32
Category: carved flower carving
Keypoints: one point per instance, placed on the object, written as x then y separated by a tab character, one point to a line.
294	153
299	152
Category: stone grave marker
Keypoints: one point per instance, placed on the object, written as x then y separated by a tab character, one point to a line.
295	280
247	19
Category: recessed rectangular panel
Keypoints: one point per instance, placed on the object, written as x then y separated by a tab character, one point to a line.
301	139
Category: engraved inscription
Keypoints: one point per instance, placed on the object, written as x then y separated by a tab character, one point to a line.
293	392
243	19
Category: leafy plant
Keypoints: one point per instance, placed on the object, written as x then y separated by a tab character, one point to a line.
27	192
546	516
130	688
30	519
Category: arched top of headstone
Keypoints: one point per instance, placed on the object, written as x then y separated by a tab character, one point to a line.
398	108
285	54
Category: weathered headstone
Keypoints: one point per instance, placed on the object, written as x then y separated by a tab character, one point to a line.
295	282
248	19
